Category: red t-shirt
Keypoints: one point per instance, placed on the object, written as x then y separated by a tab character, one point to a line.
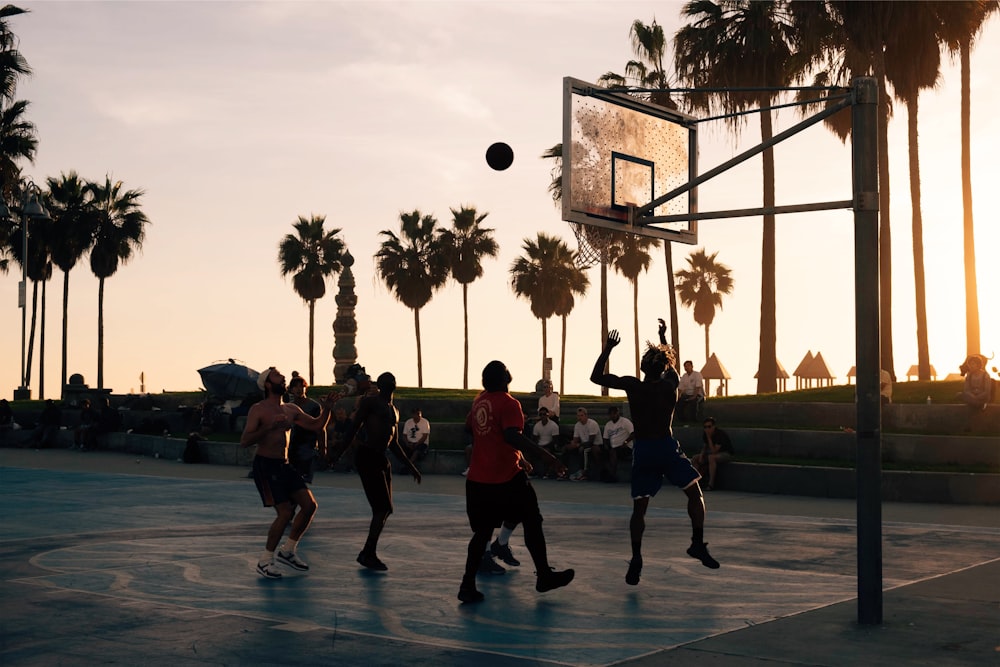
493	460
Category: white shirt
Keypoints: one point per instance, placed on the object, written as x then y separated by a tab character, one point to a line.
583	432
545	433
551	403
691	384
617	432
413	431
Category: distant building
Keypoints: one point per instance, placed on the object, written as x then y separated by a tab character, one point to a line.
714	370
813	368
782	376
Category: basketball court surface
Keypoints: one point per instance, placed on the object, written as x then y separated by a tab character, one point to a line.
131	567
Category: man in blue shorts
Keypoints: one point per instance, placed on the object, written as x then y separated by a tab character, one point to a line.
655	453
279	484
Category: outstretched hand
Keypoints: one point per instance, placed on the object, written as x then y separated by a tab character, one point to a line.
663	326
613	339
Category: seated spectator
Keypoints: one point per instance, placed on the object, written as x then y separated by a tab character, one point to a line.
84	434
885	387
46	433
546	434
690	394
586	442
415	436
978	388
108	420
717	449
6	420
618	435
550	401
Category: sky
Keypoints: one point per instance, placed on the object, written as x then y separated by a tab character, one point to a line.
236	118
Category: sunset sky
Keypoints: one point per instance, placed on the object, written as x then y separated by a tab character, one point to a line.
238	117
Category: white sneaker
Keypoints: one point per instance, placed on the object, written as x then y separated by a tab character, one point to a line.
291	559
465	472
268	571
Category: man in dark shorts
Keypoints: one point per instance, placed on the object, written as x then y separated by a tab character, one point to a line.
306	448
279	484
655	453
497	488
379	417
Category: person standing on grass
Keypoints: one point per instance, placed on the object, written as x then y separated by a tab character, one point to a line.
655	453
279	484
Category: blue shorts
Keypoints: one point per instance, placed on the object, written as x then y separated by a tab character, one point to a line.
652	460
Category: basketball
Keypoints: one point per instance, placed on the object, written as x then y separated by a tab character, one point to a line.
499	156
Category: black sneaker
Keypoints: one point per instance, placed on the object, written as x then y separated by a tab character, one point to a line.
634	570
503	552
470	595
553	579
372	562
490	566
700	552
268	571
292	560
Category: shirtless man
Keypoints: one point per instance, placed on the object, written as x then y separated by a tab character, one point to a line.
279	484
379	417
655	453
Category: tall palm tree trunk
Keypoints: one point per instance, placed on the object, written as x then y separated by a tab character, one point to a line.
465	329
100	334
767	371
41	347
675	336
885	235
707	355
545	343
312	336
420	355
562	357
972	344
635	322
65	332
31	335
920	291
604	312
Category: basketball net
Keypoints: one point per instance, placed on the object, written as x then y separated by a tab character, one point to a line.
593	244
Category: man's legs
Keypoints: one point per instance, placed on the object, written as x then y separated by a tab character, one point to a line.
300	523
636	526
696	511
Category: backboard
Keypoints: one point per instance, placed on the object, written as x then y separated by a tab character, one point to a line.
621	151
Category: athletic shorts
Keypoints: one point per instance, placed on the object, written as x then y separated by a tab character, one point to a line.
652	460
276	480
489	505
376	477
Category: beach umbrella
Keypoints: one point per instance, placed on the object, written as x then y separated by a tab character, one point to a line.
229	379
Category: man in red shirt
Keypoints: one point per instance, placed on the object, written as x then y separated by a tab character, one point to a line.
497	488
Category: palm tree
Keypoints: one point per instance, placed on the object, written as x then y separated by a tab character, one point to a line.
312	254
73	223
413	265
12	64
739	43
961	23
913	62
119	230
467	243
853	37
544	275
701	286
18	141
633	259
37	266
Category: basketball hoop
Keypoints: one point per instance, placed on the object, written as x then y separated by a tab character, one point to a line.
593	244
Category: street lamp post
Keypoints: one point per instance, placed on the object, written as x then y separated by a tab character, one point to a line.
29	206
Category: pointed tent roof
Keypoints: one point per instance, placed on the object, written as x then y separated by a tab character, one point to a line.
915	371
853	372
803	365
952	377
714	370
782	373
818	368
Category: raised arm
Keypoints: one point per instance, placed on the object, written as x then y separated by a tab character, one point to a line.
598	376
